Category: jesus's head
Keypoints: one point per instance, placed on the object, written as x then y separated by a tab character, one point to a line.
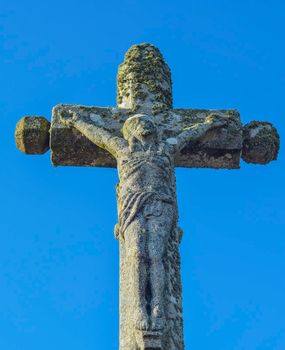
140	127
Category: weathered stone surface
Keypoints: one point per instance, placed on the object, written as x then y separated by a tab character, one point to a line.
32	135
149	340
70	148
145	138
172	336
144	81
145	150
220	148
261	143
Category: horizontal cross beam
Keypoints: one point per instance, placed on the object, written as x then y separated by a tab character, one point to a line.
222	148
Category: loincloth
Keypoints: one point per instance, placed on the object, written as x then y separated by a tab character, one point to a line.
147	204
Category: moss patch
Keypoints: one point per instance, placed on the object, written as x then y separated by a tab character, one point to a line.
261	142
144	78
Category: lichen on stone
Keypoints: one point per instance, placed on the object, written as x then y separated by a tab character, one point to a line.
144	80
261	142
32	135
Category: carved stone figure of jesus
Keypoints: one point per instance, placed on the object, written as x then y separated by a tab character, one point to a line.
145	138
146	195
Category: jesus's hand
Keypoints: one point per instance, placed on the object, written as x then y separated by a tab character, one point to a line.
68	118
215	120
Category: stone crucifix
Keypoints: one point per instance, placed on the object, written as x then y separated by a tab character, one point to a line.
146	139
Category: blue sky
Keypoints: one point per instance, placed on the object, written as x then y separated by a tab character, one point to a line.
58	258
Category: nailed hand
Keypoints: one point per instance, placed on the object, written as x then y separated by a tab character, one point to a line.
68	118
216	120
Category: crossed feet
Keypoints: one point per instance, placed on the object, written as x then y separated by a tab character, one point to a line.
155	322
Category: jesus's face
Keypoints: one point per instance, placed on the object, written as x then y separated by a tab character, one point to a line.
145	127
141	127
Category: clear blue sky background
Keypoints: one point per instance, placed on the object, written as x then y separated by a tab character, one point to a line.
58	258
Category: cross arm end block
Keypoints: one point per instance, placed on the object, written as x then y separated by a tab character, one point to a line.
32	135
261	143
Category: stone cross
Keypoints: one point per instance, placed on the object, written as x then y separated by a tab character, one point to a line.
146	139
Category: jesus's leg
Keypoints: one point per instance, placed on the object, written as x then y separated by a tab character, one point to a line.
159	229
135	239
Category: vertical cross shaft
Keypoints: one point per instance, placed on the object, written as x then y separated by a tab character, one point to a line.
144	86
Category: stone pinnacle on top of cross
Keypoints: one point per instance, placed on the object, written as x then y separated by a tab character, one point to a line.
146	139
144	81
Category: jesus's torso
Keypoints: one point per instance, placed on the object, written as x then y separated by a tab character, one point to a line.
147	171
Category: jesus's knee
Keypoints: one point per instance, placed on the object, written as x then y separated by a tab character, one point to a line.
155	255
137	252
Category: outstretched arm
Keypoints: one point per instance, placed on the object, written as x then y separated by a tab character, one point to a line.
198	130
94	132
